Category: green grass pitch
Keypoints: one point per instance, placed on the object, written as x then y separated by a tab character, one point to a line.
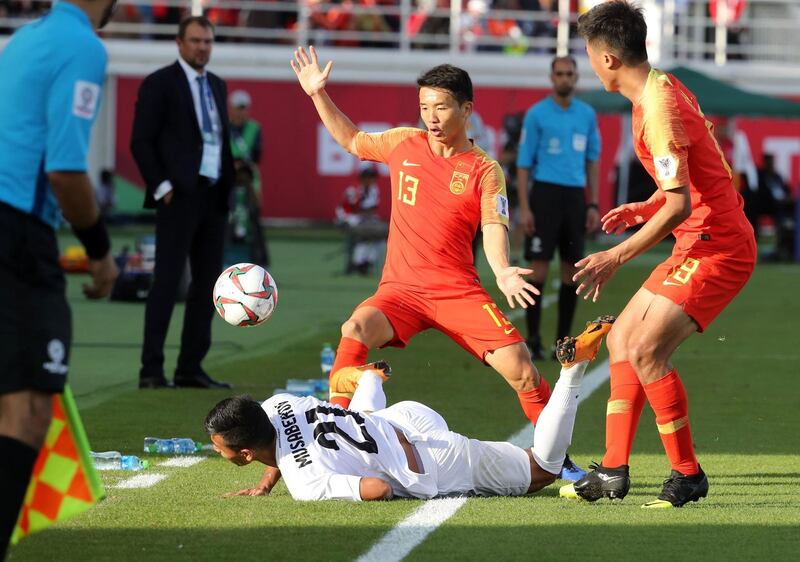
741	375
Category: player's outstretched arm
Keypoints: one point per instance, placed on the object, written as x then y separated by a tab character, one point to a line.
264	486
510	279
374	489
313	80
595	270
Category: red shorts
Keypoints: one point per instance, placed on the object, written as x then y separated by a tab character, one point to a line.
471	319
703	280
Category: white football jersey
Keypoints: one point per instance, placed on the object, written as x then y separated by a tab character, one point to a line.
323	451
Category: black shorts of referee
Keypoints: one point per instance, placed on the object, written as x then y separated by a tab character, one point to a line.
559	214
35	319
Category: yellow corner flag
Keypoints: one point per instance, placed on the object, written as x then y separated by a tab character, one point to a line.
64	480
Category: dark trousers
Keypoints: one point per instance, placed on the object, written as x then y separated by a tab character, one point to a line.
191	226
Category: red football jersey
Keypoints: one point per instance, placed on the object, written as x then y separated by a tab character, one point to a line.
437	205
676	144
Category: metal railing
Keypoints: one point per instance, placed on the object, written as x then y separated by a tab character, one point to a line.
680	30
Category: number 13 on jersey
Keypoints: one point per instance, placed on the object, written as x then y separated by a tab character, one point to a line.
407	189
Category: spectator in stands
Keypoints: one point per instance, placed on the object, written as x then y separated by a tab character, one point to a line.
106	199
358	212
245	223
424	22
775	201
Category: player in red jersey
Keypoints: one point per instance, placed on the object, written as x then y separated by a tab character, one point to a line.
443	187
713	257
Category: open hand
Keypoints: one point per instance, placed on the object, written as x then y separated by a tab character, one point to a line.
308	72
593	272
510	280
257	491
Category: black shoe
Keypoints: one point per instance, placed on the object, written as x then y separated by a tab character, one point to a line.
680	489
155	382
535	347
200	380
612	483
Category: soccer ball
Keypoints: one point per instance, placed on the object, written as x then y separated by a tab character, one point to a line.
245	294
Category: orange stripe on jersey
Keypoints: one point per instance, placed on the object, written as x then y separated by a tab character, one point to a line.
378	146
494	199
664	132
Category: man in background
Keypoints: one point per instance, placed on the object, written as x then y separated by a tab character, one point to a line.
53	73
181	143
559	148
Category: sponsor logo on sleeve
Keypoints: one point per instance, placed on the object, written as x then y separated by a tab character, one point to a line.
84	100
502	206
666	167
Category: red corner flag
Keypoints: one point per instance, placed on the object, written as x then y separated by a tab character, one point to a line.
64	480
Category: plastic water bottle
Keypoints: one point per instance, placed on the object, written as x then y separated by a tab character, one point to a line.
326	358
173	446
114	460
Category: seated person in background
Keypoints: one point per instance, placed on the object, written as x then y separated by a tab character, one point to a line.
370	452
358	212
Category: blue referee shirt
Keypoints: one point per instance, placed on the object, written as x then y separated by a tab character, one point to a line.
51	77
557	142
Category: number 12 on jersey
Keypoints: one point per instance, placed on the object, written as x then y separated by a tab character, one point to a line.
407	189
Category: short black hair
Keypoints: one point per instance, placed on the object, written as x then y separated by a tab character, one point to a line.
448	77
620	26
202	21
569	58
241	422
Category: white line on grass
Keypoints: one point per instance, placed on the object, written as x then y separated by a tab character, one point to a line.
411	531
182	462
140	481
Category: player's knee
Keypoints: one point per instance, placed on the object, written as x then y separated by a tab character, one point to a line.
616	342
643	355
528	378
353	328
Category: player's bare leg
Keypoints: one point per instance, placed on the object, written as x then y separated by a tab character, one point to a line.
367	328
644	338
554	430
513	362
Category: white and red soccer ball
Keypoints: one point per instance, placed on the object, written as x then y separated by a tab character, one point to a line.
245	294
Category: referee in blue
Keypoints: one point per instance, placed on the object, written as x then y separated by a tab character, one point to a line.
559	149
52	72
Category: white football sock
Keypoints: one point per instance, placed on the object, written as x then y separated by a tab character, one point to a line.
554	428
369	396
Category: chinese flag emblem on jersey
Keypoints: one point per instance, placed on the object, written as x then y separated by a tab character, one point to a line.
64	480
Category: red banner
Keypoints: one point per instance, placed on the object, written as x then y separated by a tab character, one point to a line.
304	172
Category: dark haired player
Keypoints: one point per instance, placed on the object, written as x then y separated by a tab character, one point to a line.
443	188
713	257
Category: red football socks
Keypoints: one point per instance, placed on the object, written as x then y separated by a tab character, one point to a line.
624	407
667	397
534	401
350	353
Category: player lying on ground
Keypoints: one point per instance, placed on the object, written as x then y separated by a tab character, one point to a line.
371	452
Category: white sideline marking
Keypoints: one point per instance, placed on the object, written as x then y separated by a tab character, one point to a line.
411	531
406	535
181	462
140	481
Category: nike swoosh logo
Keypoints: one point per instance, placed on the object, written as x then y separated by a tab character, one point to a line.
669	283
509	330
407	163
609	479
